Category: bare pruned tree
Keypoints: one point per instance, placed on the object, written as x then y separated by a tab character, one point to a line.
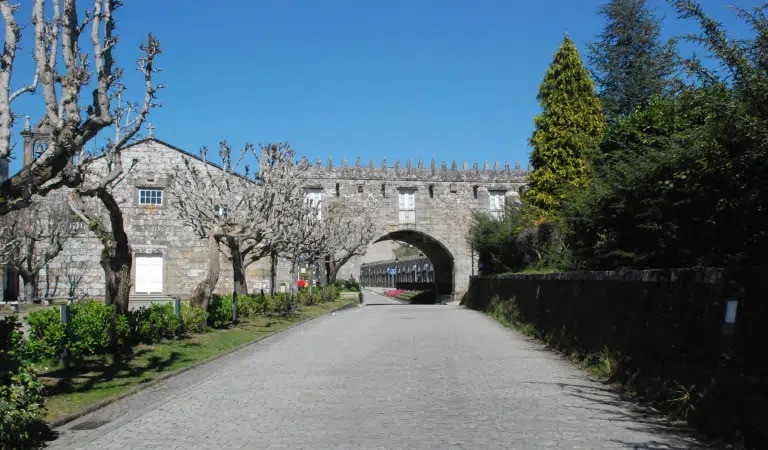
348	229
94	177
62	70
39	234
241	214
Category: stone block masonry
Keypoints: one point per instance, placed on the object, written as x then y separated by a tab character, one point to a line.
443	200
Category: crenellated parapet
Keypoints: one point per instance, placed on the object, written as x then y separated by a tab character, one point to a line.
495	173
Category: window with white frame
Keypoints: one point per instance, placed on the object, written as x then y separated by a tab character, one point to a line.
314	199
407	205
497	203
151	197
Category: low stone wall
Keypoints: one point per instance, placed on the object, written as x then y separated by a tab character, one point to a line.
666	329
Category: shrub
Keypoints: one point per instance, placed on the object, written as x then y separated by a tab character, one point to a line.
280	303
220	311
92	330
193	318
21	394
306	298
157	322
331	293
350	285
249	305
47	334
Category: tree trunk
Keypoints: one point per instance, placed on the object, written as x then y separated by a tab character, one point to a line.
30	286
117	274
272	273
240	286
202	293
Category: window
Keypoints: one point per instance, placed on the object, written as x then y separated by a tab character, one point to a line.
150	197
314	199
360	188
221	211
407	204
497	203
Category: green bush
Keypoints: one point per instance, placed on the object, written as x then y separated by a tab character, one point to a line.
156	322
350	285
21	394
280	303
47	334
249	305
193	318
331	293
92	330
304	297
220	311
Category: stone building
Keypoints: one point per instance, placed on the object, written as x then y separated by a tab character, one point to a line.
427	207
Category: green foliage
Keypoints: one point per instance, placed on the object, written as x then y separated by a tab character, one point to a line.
47	333
331	293
249	305
21	394
153	323
630	64
220	311
304	297
515	242
350	285
565	132
93	329
193	318
280	303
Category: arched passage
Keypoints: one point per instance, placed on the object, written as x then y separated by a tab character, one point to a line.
439	256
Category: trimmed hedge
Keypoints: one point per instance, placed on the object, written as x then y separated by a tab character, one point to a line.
93	330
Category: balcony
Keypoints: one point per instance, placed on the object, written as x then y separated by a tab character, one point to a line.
407	216
497	214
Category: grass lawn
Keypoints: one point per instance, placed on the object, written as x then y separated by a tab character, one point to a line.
100	378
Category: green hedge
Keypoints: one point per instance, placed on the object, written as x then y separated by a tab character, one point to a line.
93	330
21	394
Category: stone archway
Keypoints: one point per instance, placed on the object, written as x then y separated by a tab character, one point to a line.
441	258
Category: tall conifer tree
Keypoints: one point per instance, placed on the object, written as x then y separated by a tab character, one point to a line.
629	62
565	131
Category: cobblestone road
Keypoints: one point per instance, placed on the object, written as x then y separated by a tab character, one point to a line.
387	376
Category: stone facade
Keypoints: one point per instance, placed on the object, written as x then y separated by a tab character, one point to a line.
443	200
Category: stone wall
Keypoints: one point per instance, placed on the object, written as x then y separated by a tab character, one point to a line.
666	330
444	200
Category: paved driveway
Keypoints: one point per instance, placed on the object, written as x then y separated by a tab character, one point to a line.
386	376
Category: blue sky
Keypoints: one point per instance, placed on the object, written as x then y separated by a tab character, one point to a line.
396	79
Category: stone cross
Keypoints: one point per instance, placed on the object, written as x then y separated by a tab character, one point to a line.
151	128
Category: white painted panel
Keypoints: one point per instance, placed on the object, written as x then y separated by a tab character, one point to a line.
149	274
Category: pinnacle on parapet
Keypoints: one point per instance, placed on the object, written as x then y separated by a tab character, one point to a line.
474	166
330	162
420	164
443	167
408	164
344	163
397	165
454	166
529	167
432	164
506	166
517	166
318	163
358	162
384	165
370	164
465	166
486	167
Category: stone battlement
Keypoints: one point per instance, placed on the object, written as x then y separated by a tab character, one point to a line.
419	172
